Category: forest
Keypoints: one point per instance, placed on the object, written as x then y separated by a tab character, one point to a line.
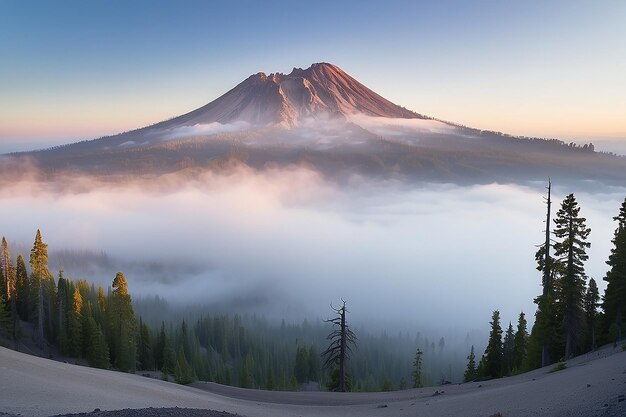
73	320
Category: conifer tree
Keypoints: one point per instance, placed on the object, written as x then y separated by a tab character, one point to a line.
62	297
591	303
5	316
471	373
122	324
417	369
508	348
614	300
8	272
75	325
22	288
493	352
301	368
571	250
314	365
183	373
42	288
520	342
144	351
169	359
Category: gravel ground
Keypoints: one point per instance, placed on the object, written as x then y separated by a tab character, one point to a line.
153	412
592	385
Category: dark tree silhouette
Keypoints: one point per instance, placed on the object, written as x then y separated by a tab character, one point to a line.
471	372
493	352
614	300
520	342
341	341
592	301
572	232
417	369
545	326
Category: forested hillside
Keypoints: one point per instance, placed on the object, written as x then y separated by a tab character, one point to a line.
102	327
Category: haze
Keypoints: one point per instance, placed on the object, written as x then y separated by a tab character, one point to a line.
419	256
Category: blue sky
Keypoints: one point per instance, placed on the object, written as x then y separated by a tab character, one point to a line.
79	69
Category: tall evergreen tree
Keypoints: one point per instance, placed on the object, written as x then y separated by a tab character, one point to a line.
591	303
614	300
493	352
63	313
144	347
42	287
97	351
301	367
520	342
417	369
314	364
122	324
8	272
75	325
471	373
22	288
5	317
572	252
507	351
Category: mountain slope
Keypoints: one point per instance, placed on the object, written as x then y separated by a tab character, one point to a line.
320	91
323	118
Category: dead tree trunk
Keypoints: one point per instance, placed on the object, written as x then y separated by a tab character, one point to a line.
547	277
339	350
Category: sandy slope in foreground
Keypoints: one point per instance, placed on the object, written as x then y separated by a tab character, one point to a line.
590	386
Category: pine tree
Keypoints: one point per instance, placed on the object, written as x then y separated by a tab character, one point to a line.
301	368
42	289
62	298
5	316
573	233
169	359
183	374
417	369
314	364
144	351
96	349
75	325
493	352
8	272
614	300
471	373
508	348
591	303
122	324
520	342
22	288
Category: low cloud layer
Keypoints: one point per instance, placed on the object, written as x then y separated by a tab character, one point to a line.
206	129
429	256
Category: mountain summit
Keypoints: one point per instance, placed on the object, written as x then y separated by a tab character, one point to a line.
321	91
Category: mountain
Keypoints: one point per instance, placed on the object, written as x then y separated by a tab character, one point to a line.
323	90
322	118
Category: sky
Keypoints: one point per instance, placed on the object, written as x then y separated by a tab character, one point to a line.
76	70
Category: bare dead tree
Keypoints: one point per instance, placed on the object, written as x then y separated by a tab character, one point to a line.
341	341
547	273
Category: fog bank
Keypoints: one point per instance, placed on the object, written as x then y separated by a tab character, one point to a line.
287	243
